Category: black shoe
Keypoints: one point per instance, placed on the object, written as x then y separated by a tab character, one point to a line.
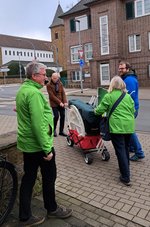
55	134
125	182
62	134
61	212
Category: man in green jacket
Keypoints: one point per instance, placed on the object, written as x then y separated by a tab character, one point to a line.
35	140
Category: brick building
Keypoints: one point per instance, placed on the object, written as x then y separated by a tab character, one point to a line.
58	38
107	31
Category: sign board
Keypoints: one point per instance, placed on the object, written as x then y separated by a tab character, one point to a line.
87	75
4	70
80	53
81	62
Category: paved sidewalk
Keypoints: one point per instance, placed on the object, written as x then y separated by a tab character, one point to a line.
84	215
94	191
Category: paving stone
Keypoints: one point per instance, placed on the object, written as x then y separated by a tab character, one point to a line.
125	215
141	221
142	213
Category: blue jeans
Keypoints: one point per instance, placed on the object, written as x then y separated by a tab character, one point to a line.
135	145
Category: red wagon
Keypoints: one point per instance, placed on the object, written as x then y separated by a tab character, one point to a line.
83	130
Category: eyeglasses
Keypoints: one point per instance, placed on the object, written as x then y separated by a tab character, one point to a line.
121	68
43	74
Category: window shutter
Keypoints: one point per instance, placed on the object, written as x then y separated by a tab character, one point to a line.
149	71
89	22
72	25
130	10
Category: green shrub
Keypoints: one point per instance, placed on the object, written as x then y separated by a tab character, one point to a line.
14	69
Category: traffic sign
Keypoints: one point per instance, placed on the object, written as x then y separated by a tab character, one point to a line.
81	62
4	70
80	53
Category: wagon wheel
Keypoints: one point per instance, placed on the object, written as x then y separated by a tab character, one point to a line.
105	155
70	142
88	158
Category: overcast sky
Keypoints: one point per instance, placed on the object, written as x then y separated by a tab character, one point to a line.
30	18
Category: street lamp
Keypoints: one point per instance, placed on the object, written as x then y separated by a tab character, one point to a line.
81	50
28	41
20	67
52	45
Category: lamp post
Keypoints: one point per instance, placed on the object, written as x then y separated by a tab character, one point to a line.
28	41
81	50
20	67
52	45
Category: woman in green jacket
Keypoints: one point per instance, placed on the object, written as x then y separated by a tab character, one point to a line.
121	123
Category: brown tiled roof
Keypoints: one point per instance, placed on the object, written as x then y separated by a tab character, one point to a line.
26	43
57	21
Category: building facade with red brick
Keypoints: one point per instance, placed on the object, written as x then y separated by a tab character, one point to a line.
107	31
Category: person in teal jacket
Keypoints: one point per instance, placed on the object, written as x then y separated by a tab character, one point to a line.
121	123
35	140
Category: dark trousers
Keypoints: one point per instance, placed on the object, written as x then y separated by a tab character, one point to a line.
48	171
121	146
59	111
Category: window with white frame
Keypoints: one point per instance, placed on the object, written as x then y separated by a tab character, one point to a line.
142	7
75	54
134	43
104	74
104	39
88	51
76	76
82	24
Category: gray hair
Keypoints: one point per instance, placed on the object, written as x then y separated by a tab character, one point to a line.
34	67
117	83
